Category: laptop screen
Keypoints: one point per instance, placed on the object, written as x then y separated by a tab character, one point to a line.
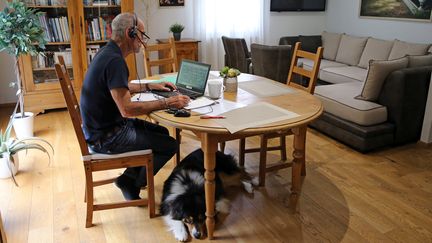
193	76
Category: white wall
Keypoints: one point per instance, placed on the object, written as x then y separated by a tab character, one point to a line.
7	95
343	17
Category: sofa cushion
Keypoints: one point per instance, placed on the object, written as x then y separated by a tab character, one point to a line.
310	43
350	49
339	100
343	74
307	63
378	71
330	42
402	48
375	49
420	61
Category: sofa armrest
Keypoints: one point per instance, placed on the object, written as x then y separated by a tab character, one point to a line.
405	94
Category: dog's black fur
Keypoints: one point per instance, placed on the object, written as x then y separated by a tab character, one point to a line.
183	199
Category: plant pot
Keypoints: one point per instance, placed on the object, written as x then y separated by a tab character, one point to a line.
5	171
177	36
231	84
23	126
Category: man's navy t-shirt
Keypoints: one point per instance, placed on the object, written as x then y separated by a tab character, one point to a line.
99	112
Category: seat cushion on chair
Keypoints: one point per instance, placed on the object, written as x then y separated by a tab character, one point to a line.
98	156
338	99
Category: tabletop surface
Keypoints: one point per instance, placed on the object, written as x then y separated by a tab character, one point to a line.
307	106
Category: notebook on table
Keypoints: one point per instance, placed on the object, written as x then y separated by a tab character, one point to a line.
191	80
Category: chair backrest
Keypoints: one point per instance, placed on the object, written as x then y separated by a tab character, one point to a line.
310	74
236	53
171	58
272	62
72	103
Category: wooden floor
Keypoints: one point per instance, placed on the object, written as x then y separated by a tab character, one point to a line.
346	196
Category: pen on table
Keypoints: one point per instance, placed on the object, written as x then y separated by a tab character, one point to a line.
212	117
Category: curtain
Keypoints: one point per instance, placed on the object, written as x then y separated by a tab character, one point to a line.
232	18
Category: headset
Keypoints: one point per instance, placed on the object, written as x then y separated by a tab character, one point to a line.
133	30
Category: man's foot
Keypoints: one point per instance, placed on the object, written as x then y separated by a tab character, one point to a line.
128	188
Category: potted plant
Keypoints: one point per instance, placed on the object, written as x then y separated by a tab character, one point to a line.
9	147
230	78
21	34
176	29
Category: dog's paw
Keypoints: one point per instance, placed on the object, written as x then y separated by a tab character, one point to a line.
248	186
255	181
181	234
223	206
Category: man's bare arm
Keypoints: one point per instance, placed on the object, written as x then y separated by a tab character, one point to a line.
127	108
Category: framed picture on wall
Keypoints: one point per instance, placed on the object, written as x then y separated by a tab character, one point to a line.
170	3
417	10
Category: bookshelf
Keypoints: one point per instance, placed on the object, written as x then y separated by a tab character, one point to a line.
76	29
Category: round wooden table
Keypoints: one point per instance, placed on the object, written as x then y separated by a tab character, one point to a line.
210	133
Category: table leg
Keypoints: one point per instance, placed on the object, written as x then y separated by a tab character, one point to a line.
209	146
299	159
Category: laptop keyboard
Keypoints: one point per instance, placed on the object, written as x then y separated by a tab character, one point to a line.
167	94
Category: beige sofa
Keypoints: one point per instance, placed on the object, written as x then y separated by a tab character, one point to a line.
356	69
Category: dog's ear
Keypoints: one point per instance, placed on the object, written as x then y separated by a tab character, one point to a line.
177	208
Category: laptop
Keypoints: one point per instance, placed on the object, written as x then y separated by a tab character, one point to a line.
191	80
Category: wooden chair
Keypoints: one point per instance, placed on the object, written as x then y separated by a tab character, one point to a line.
94	162
171	60
310	87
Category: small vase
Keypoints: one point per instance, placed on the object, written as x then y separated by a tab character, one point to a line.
177	36
231	84
5	171
23	126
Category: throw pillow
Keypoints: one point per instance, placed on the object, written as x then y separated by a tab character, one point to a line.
330	42
378	72
402	48
420	61
310	43
375	49
350	49
430	49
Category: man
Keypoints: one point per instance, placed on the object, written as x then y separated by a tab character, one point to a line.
106	106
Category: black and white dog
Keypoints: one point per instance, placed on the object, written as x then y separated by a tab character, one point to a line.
183	200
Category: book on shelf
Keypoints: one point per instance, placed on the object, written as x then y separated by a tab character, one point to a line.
48	58
101	2
99	28
91	52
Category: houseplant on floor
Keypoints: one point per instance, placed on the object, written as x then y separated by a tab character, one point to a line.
176	29
9	147
20	30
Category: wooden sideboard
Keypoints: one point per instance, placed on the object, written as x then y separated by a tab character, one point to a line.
185	49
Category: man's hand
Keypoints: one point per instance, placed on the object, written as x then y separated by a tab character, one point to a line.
164	86
178	101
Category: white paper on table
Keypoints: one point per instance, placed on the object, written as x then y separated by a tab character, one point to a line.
254	115
141	97
220	106
199	102
265	88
